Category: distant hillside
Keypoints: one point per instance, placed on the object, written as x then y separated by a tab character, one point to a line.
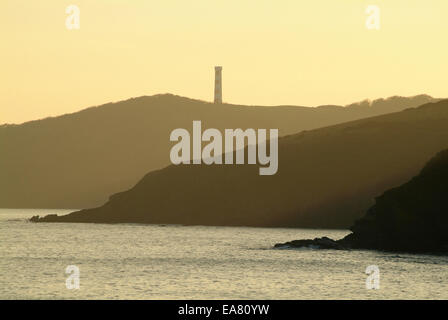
77	160
327	178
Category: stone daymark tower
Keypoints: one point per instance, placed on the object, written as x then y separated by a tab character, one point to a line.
218	84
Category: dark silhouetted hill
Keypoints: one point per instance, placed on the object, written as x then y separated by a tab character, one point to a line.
326	178
77	160
411	218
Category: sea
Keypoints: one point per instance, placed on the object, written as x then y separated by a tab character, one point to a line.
132	261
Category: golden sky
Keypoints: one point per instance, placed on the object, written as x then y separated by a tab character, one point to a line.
272	52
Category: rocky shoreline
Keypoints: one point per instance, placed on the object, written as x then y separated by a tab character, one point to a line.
316	243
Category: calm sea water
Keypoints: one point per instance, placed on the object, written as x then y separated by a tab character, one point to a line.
127	261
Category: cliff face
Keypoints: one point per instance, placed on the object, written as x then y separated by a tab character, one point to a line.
327	178
78	160
412	217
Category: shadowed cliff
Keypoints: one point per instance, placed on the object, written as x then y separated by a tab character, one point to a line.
411	218
327	178
78	160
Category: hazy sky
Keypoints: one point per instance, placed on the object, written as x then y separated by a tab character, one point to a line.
272	52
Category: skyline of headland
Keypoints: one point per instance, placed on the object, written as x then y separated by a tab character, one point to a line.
296	53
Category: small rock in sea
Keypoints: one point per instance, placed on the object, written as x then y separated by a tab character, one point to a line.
317	243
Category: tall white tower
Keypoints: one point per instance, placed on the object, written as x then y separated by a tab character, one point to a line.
218	84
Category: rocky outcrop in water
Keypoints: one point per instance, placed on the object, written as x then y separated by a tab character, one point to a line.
316	243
